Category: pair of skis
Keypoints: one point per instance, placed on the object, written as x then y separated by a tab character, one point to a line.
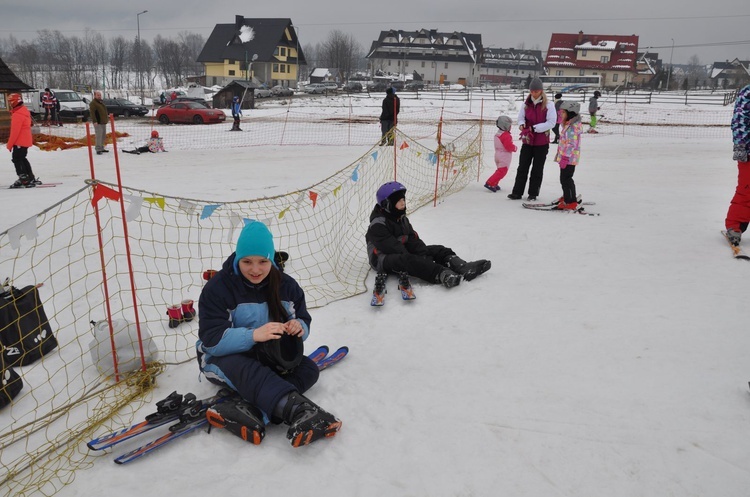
553	206
185	414
404	286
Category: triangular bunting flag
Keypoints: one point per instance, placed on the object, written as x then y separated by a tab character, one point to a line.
155	200
375	155
314	198
355	173
208	210
26	228
101	191
403	146
283	213
134	207
336	191
187	206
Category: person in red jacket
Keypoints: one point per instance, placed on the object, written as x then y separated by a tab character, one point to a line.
19	142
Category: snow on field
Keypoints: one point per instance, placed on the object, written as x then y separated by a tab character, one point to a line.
600	355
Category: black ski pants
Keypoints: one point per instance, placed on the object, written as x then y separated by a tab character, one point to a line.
530	157
425	267
567	183
23	166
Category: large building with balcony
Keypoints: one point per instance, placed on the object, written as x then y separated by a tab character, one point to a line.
610	57
435	57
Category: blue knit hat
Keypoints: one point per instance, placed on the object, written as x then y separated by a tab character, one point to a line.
255	239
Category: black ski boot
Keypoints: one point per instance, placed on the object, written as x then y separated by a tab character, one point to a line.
378	293
469	270
407	293
448	278
23	181
307	421
240	418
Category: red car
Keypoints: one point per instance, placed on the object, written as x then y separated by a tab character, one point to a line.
189	112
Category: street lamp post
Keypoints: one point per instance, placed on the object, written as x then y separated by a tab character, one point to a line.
670	63
138	52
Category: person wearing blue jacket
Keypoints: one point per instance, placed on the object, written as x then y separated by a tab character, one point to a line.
253	320
236	113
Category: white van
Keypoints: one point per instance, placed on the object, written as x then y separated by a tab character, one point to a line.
72	106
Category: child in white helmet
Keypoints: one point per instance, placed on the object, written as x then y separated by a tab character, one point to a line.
504	148
569	153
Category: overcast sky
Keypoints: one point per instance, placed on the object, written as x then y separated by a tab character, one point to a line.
705	30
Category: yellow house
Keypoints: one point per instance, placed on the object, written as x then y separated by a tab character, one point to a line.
265	51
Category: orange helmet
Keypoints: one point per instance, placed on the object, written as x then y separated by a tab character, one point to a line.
14	100
154	134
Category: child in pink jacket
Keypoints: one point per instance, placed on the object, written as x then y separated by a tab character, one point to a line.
504	149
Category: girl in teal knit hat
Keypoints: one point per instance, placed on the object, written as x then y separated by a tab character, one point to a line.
253	319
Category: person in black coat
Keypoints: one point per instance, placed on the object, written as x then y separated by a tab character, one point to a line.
394	247
389	116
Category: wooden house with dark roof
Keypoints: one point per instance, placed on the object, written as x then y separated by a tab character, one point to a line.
265	51
435	56
730	74
9	83
612	57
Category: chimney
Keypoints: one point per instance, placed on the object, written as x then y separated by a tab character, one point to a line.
238	22
580	37
595	40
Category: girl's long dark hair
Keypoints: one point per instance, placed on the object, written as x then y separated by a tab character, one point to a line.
276	311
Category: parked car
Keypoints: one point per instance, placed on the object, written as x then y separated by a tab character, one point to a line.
189	112
315	88
330	85
397	85
201	101
352	87
414	86
282	91
124	107
377	86
262	93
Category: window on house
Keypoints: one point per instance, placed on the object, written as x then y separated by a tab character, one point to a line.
558	73
283	51
276	51
389	62
604	59
231	62
282	67
583	53
275	68
406	63
581	72
615	77
231	72
446	65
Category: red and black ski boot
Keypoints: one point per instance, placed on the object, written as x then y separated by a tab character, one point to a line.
188	312
307	421
175	315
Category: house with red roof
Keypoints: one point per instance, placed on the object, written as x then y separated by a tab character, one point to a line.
611	57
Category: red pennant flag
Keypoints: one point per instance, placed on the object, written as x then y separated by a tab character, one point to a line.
404	145
101	191
314	198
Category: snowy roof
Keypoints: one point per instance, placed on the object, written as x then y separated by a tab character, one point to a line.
602	45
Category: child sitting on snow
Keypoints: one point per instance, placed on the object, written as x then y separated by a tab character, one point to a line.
154	145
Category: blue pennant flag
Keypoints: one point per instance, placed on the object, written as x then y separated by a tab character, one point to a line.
208	210
355	173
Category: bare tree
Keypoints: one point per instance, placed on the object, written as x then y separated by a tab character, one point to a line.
119	48
341	51
192	44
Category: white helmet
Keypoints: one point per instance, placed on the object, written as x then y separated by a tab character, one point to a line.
504	123
569	106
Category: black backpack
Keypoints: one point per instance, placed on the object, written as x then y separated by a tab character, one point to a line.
25	332
10	383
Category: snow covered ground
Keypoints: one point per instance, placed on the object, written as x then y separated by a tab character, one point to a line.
600	355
